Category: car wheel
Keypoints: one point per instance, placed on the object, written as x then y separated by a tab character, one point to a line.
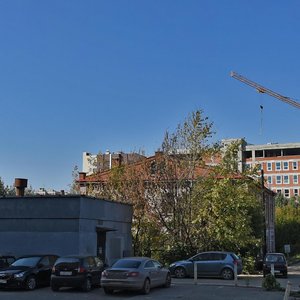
146	287
108	291
54	287
180	272
30	283
227	274
168	281
87	286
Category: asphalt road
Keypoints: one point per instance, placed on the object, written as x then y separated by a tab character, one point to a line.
176	291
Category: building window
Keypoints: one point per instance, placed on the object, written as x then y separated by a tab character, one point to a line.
278	166
295	178
296	192
248	166
286	179
287	193
269	179
259	166
278	191
295	165
269	166
278	179
285	165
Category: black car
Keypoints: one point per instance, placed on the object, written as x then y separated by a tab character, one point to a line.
6	261
279	262
76	271
28	272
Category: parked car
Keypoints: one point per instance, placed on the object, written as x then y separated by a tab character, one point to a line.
279	262
135	273
28	272
76	271
6	261
209	264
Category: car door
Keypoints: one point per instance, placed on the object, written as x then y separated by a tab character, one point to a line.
216	263
152	272
203	262
161	273
44	269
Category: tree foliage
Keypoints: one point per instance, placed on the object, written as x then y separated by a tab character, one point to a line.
181	205
2	188
287	227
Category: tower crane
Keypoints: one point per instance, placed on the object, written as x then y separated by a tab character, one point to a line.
264	90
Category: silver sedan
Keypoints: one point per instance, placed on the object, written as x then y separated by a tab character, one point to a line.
135	273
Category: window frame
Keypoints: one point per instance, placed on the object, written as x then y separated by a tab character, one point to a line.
287	195
295	176
270	179
295	165
278	181
286	179
284	165
279	165
269	166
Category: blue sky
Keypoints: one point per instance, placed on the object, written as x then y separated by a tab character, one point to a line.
92	75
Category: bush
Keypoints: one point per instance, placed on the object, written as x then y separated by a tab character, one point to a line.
249	264
270	283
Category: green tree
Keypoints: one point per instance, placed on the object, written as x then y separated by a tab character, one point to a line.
280	200
287	227
2	188
74	188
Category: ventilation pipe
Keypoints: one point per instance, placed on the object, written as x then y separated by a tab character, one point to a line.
20	185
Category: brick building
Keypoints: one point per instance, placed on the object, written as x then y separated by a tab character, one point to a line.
279	162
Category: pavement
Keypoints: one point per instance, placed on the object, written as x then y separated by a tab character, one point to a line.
247	281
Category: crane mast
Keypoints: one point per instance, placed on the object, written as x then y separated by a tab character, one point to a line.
262	89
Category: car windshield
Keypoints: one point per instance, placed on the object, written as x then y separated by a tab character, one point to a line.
27	262
275	258
126	263
67	260
234	256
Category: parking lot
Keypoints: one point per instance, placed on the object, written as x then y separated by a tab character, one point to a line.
205	289
248	287
181	291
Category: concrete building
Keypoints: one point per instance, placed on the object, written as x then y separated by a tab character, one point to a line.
65	225
94	163
280	163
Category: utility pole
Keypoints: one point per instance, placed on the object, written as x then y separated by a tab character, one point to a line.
264	212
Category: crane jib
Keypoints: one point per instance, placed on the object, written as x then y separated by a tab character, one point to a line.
264	90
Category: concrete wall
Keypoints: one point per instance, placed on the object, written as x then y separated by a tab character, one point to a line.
62	225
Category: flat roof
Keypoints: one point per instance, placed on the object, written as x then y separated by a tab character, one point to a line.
272	146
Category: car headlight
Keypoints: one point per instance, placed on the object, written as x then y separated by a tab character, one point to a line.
19	275
172	265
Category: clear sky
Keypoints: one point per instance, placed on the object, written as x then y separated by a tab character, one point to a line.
91	75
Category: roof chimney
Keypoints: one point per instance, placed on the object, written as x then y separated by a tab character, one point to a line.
82	175
20	185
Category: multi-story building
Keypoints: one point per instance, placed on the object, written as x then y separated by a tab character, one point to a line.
96	163
280	163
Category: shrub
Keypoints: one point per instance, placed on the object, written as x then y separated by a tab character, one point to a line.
270	283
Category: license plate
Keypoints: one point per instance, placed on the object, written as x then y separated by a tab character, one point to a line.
3	281
65	273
